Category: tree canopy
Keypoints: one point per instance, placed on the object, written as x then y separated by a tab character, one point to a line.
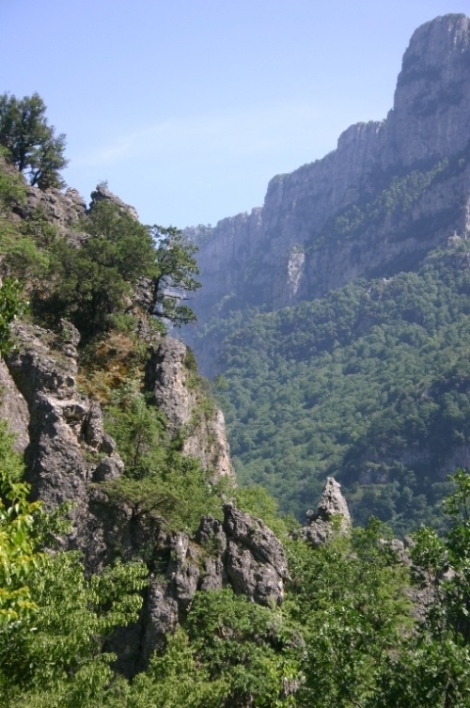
30	142
174	278
92	285
369	384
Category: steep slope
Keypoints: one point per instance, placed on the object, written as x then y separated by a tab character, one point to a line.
369	384
338	312
389	193
119	428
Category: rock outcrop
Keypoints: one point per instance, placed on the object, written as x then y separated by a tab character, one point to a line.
13	409
256	563
62	209
315	233
241	552
190	414
66	446
68	454
331	517
102	193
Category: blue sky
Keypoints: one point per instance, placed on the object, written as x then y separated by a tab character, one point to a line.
188	107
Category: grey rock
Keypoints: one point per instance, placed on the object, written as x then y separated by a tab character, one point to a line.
258	581
65	428
165	374
283	252
160	618
214	576
243	554
432	98
201	428
186	583
180	546
108	468
211	534
332	516
37	363
93	428
253	533
332	503
69	455
255	561
55	464
14	409
102	193
63	210
213	540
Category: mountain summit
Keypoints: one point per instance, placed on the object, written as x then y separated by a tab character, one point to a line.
346	216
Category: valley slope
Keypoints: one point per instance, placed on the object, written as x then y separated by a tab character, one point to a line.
338	312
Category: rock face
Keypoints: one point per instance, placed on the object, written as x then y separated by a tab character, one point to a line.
239	552
65	209
189	413
332	515
68	454
63	435
60	209
13	409
432	99
315	231
102	193
256	563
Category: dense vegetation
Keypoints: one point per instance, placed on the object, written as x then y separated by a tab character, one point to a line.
369	384
347	634
112	279
29	142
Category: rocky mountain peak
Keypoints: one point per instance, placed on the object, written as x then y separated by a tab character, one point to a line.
435	45
315	231
431	116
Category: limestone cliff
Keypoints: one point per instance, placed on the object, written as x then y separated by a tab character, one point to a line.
69	455
70	459
177	392
332	516
346	216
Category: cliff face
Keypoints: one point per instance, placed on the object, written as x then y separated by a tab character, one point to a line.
190	414
342	217
431	118
68	455
70	459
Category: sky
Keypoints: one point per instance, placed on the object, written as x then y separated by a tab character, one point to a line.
187	108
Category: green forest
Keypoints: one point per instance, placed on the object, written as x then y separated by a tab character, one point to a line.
347	634
363	622
369	384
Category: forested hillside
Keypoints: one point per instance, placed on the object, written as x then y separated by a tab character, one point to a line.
133	572
336	315
370	384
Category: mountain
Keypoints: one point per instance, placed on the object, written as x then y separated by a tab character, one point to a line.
115	428
133	570
370	241
365	208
